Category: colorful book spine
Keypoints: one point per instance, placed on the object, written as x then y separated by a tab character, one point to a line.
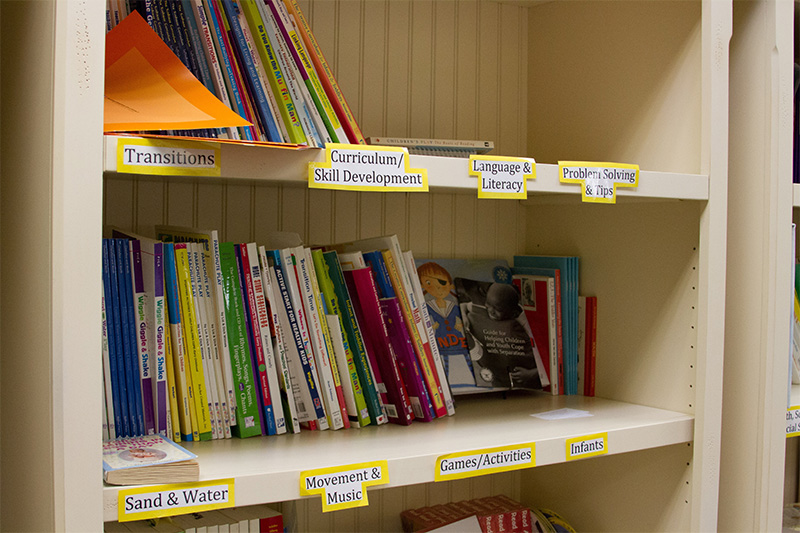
194	357
160	395
326	76
108	389
248	420
130	351
143	336
355	339
112	326
182	379
358	411
172	418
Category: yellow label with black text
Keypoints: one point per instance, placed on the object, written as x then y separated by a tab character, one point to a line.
793	421
587	446
353	167
167	158
598	181
152	501
344	487
502	177
486	461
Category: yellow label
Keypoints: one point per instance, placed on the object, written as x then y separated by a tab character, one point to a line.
793	421
487	461
344	487
153	501
353	167
502	177
168	158
599	181
587	446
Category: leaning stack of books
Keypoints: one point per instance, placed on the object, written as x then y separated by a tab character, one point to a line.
205	339
258	57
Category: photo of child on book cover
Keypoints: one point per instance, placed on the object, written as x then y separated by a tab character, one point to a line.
499	338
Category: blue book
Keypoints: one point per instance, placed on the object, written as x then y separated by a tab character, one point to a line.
569	308
251	74
112	325
266	413
375	261
130	348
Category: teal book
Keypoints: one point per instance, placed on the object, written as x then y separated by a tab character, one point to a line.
248	420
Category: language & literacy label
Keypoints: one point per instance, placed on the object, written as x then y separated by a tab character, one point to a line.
165	157
587	446
502	177
153	501
367	168
599	181
793	421
487	461
344	487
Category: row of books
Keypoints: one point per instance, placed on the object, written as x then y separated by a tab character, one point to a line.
251	519
483	515
504	327
258	57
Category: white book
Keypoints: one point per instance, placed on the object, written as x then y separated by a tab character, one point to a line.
278	344
318	343
289	262
341	360
109	426
262	320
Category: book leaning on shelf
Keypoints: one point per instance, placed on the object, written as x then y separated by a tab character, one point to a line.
260	59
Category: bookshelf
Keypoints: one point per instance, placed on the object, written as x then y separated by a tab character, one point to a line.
653	259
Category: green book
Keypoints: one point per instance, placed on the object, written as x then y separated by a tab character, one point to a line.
353	333
248	419
332	303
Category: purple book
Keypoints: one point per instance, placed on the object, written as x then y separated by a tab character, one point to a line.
159	341
143	341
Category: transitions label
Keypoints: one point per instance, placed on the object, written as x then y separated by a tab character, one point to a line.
360	168
164	157
487	461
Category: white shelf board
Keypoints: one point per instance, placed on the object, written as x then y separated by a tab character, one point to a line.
267	469
270	163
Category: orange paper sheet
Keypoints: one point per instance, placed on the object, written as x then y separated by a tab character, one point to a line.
148	88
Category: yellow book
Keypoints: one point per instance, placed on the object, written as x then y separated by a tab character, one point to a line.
172	391
194	358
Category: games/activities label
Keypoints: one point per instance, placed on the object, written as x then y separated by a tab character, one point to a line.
167	500
793	421
502	177
361	168
587	446
165	157
487	461
343	487
599	181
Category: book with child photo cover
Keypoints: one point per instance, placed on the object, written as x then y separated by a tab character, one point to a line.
499	338
147	459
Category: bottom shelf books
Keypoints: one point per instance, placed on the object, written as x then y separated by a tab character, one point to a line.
207	340
483	515
147	460
251	519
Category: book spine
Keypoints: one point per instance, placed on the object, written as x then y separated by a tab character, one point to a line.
592	347
375	261
159	345
359	414
318	343
110	431
251	269
415	328
355	339
326	76
386	358
113	338
177	345
130	350
172	416
194	357
248	420
144	339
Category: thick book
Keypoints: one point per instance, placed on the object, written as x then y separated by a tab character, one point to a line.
248	419
148	459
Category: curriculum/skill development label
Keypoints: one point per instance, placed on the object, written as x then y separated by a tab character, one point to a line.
793	421
598	181
487	461
362	168
343	487
502	177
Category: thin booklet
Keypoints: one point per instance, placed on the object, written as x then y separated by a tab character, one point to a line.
147	459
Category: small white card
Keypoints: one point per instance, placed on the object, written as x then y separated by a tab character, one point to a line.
561	414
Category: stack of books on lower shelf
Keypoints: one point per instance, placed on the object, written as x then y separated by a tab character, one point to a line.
251	519
206	340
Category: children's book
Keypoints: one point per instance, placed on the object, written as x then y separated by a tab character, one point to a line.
538	299
148	459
